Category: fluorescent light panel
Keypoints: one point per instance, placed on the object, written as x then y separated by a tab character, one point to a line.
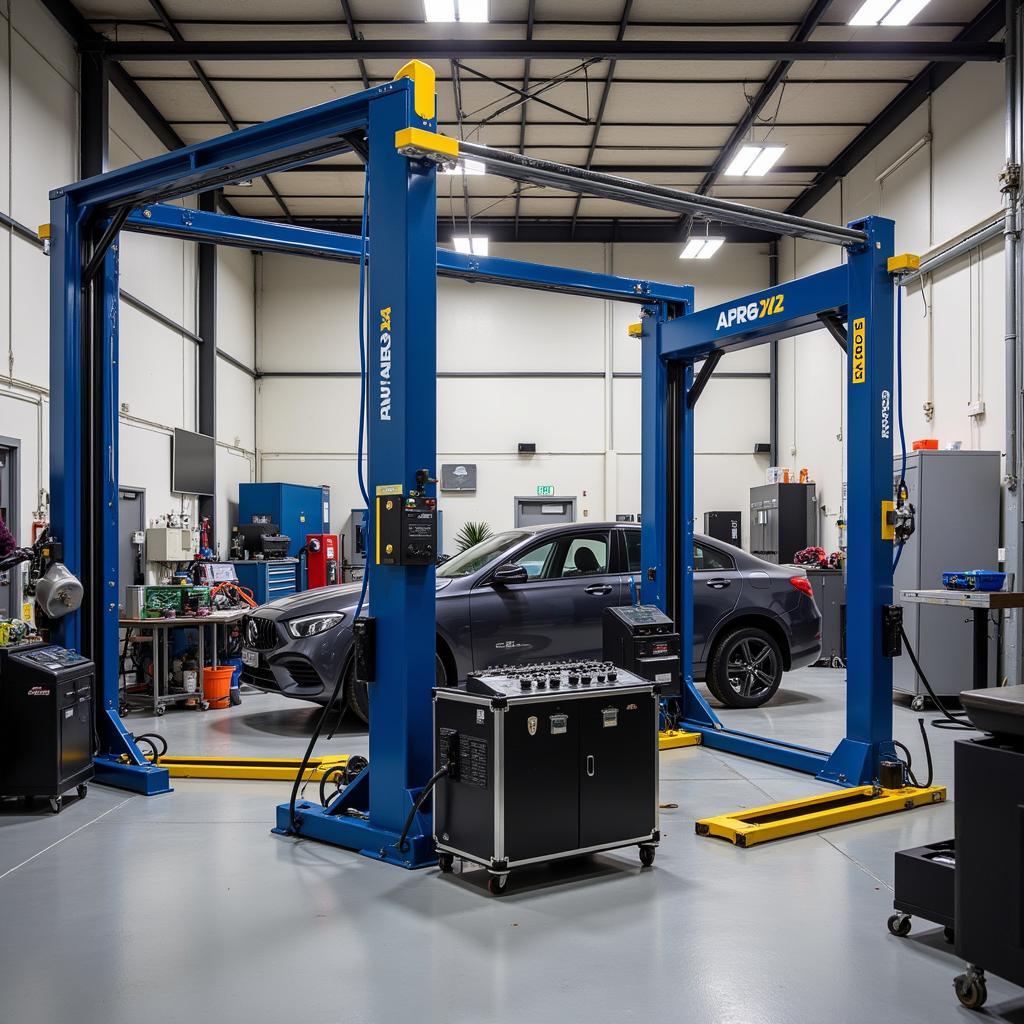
754	161
888	12
904	12
466	167
455	10
701	248
766	159
475	246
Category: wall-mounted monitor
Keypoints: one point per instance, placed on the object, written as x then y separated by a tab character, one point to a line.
193	463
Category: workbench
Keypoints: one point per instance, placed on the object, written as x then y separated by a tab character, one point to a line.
160	630
980	602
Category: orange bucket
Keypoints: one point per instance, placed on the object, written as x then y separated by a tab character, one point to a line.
217	685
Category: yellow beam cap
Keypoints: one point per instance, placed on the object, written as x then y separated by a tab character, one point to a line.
423	143
43	231
636	330
905	261
424	100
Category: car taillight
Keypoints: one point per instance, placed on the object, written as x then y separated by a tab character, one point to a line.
803	584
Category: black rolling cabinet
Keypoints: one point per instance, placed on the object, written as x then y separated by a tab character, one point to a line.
545	762
46	722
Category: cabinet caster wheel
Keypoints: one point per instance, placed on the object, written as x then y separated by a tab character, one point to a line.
446	862
161	711
123	709
917	704
56	802
647	855
971	989
497	884
949	934
899	924
83	790
204	705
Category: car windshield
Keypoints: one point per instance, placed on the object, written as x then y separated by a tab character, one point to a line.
467	562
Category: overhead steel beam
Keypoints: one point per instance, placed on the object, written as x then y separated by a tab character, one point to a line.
640	193
175	34
612	168
548	49
602	105
531	11
556	229
983	28
87	40
346	9
775	78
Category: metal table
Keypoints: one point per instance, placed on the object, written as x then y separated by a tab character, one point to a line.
981	602
160	630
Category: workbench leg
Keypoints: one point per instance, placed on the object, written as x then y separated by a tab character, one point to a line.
980	648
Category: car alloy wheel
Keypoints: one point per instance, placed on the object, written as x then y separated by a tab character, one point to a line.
752	667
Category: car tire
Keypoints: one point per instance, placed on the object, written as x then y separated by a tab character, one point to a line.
745	669
359	699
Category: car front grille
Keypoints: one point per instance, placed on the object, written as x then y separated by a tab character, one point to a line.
259	633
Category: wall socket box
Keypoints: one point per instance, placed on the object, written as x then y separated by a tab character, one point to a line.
976	409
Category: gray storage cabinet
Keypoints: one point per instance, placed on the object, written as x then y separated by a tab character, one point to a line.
956	495
829	586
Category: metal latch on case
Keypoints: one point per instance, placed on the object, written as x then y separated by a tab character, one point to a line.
559	724
610	717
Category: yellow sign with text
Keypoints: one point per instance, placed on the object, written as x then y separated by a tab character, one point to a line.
860	351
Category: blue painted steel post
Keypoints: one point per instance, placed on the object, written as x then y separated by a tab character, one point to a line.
75	383
402	429
653	460
66	397
869	432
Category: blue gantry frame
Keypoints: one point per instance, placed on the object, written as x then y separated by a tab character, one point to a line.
84	408
404	259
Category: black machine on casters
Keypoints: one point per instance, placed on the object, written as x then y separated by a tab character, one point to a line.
544	762
46	722
642	639
972	884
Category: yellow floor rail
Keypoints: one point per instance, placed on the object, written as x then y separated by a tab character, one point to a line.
267	768
809	814
669	739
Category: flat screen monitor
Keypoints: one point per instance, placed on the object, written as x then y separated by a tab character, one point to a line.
193	463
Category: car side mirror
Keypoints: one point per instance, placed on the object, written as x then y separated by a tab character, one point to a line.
509	573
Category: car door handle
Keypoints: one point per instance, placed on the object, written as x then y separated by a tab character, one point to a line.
599	588
718	583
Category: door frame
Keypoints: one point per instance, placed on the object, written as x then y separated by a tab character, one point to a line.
14	518
544	500
141	491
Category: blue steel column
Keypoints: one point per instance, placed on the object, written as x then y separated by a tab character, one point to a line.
653	460
66	397
402	429
869	432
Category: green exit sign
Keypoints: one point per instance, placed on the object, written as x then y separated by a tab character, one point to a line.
545	490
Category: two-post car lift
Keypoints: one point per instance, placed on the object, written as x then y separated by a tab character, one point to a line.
392	128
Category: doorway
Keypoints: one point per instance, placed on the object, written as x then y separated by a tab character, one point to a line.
544	511
131	541
10	581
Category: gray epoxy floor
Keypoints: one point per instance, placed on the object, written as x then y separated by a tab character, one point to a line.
183	908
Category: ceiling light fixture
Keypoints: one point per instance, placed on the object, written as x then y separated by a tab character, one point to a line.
475	246
701	248
754	160
888	12
455	10
465	167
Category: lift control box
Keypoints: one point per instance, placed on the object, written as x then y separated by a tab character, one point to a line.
643	639
406	530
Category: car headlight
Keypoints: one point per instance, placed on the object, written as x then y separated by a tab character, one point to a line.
311	625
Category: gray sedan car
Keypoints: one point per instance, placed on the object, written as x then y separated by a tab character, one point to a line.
538	595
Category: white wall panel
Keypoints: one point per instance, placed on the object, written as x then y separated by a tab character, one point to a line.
236	407
307	415
236	311
953	355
